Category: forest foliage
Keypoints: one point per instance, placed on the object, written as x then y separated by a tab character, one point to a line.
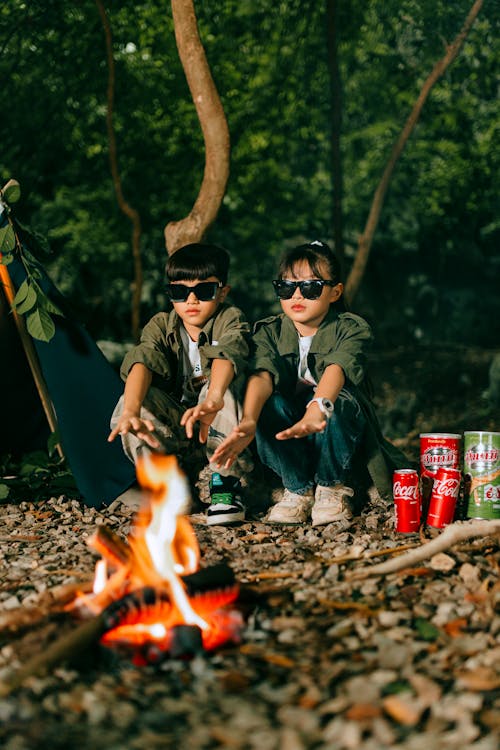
433	272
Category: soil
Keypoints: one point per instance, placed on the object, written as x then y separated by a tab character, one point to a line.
327	660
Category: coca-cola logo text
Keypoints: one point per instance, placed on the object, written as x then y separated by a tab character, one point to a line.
446	487
405	492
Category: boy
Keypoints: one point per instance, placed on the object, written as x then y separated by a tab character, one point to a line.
188	368
306	401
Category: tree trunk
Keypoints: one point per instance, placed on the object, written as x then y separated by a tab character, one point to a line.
332	16
214	127
124	206
366	239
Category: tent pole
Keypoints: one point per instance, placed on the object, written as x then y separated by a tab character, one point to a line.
31	355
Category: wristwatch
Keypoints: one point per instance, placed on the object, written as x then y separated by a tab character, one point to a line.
325	406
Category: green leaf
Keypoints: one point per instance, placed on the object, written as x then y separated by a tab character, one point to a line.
44	302
50	307
22	292
6	258
11	192
40	325
426	630
28	302
398	686
7	239
4	491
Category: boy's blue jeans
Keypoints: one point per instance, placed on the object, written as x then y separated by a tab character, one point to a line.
322	458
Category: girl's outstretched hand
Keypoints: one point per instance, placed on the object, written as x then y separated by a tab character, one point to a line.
227	452
308	425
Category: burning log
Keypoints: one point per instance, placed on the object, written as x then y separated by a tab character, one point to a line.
51	602
149	597
155	585
111	546
124	625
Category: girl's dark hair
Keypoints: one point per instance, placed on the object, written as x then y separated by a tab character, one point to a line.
198	261
319	256
316	254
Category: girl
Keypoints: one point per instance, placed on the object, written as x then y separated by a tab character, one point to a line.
306	401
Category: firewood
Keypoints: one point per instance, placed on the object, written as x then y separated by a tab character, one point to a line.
451	535
73	643
50	602
110	546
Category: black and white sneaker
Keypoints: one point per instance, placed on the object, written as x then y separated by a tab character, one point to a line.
225	501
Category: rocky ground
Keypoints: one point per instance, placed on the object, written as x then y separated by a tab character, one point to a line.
329	657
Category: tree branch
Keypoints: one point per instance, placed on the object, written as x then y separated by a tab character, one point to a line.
452	534
366	239
214	128
124	206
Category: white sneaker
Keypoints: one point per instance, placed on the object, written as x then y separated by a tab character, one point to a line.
292	509
331	504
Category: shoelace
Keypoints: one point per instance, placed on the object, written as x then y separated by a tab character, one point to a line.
226	498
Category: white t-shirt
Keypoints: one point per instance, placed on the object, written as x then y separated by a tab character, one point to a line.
193	378
305	377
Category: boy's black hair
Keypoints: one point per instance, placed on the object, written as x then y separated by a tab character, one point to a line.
316	254
198	261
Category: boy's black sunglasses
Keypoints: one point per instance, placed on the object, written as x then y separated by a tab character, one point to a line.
310	289
204	291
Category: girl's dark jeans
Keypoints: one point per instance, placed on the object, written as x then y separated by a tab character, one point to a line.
322	458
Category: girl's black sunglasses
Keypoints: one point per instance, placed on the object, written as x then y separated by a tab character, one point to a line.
204	291
310	289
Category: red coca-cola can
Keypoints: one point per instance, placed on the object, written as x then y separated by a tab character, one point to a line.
438	450
406	501
444	497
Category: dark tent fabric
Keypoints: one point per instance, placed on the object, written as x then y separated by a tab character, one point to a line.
24	425
84	389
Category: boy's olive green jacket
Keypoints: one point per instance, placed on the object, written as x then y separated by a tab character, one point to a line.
224	336
341	339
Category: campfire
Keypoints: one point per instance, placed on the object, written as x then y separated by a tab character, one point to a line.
149	591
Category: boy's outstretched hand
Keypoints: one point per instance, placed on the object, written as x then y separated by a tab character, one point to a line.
203	413
228	451
142	428
308	425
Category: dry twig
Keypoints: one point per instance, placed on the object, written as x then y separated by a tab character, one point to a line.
368	555
451	535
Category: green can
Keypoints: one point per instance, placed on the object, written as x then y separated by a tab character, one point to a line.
482	470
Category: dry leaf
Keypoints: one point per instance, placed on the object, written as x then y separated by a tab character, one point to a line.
414	572
479	679
403	709
454	628
363	712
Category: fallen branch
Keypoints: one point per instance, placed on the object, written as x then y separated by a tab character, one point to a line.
50	603
73	643
367	555
269	575
451	535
